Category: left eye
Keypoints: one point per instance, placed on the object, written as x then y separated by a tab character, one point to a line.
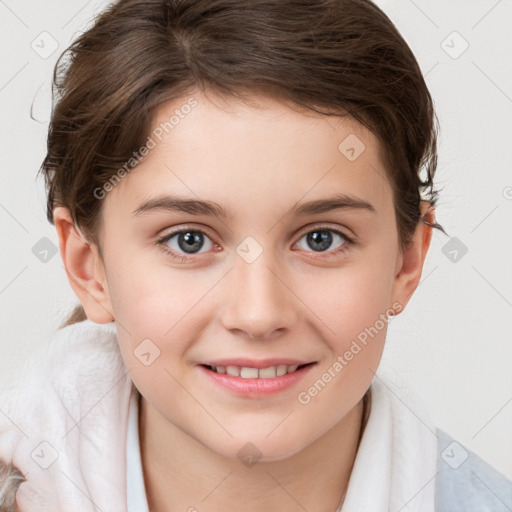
320	240
189	242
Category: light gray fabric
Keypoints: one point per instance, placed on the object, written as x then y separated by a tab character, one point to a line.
466	483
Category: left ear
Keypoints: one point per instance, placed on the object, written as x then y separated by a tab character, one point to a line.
410	264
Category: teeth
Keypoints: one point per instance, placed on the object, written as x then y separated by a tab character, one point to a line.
249	373
281	370
267	373
232	370
254	373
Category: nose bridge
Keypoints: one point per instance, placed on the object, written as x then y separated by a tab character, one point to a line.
258	302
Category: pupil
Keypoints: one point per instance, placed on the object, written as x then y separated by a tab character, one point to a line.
319	240
191	241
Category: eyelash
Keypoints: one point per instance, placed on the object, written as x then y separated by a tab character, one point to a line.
320	254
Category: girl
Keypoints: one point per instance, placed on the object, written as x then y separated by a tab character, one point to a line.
243	193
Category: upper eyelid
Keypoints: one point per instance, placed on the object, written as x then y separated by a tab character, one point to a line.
175	232
349	238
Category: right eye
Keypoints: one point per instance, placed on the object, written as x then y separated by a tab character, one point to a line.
187	241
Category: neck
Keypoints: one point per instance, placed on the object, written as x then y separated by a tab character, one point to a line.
182	474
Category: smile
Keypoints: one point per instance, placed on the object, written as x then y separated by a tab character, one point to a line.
256	381
247	372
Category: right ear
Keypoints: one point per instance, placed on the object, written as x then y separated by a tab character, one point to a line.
84	267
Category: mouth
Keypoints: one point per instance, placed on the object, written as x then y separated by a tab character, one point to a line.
255	379
249	372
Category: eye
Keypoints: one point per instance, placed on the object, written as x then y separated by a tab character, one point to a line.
322	240
187	241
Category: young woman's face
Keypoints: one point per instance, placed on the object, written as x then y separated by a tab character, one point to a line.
259	239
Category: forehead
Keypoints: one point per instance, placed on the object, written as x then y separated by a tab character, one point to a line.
265	155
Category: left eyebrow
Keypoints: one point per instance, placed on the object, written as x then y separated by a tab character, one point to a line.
338	202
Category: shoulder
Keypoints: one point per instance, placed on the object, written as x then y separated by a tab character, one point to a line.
465	482
84	338
79	374
77	352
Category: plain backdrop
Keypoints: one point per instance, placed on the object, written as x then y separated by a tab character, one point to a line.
453	343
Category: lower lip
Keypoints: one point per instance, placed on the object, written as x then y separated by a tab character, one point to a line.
256	388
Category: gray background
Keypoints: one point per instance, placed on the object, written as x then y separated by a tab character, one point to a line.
452	344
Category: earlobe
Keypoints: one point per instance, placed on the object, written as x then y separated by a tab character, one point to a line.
413	257
84	268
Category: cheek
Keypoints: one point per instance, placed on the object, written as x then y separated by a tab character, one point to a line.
351	300
150	297
355	314
353	304
161	312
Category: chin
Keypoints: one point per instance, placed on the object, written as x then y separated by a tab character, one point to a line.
253	449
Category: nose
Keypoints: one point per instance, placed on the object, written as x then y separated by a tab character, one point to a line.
260	304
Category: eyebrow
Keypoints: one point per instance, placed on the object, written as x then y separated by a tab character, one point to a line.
200	207
178	204
338	202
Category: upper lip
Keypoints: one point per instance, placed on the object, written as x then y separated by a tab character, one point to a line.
255	363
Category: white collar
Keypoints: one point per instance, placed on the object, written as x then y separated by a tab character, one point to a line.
396	462
135	490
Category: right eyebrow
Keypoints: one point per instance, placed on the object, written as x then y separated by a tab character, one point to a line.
178	204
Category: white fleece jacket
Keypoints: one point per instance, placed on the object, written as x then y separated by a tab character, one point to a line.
65	428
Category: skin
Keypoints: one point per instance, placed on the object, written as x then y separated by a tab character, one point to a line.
257	161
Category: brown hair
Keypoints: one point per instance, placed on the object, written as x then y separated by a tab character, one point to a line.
334	57
10	479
